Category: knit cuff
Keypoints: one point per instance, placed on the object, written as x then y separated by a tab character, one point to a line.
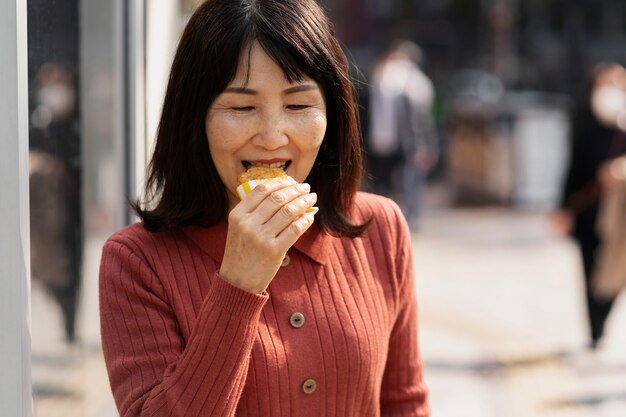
235	300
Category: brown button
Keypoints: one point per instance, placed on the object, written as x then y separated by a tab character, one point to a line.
286	261
297	320
309	386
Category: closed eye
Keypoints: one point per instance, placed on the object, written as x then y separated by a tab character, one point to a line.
298	107
243	108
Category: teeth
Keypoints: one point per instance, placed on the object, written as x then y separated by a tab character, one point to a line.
281	165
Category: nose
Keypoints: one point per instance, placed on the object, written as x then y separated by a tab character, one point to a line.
271	132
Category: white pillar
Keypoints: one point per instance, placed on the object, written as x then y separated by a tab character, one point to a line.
103	150
15	373
164	21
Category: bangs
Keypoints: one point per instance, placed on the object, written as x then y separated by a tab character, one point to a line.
294	65
297	50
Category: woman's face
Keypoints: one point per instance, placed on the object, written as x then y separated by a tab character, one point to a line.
263	119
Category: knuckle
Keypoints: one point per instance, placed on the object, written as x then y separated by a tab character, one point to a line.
263	188
288	210
234	217
298	227
278	197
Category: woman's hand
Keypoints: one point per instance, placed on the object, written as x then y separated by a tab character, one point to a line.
262	228
562	222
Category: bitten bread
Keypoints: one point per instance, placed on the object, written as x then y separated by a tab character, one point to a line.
260	173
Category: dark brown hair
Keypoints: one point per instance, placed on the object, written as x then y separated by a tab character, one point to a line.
183	186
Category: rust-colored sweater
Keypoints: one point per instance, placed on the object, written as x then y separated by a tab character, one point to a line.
335	334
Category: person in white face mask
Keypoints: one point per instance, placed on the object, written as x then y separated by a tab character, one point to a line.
608	99
598	138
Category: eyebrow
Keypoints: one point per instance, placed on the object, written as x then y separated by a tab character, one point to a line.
291	90
240	90
300	87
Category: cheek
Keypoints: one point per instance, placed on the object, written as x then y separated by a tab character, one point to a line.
313	136
222	145
224	134
312	130
321	126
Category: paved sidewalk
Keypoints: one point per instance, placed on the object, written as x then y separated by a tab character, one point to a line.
502	328
68	381
502	321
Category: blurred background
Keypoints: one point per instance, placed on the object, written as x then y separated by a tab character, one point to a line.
489	93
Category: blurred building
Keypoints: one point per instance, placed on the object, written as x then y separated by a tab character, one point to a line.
536	44
508	74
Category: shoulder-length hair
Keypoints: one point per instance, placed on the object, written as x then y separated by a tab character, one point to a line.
183	187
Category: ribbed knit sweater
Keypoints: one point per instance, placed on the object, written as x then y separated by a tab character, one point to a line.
179	340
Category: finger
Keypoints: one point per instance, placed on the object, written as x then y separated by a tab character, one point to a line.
290	212
250	202
282	199
292	233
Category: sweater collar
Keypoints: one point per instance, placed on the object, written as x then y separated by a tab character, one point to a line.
315	243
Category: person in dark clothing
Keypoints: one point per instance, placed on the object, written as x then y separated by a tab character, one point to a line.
598	138
54	188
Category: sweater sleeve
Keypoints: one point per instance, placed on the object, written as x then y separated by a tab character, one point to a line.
403	392
152	370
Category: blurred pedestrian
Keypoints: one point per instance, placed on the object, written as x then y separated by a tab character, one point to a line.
216	306
402	140
54	178
598	138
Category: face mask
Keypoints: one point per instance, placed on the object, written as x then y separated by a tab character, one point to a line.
608	104
58	98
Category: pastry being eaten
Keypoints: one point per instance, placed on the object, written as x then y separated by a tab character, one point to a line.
261	173
258	175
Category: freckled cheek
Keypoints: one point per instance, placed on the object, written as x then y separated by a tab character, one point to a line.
312	131
225	135
223	149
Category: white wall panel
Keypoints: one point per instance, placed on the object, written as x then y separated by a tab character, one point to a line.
15	379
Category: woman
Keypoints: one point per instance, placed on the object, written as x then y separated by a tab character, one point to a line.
597	139
218	307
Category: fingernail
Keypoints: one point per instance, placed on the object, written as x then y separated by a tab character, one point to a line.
305	187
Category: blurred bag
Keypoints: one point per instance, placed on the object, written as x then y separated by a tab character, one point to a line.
50	262
610	272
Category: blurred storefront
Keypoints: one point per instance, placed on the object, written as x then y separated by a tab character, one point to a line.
535	44
511	151
534	56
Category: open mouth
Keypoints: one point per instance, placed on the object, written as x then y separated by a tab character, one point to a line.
282	165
